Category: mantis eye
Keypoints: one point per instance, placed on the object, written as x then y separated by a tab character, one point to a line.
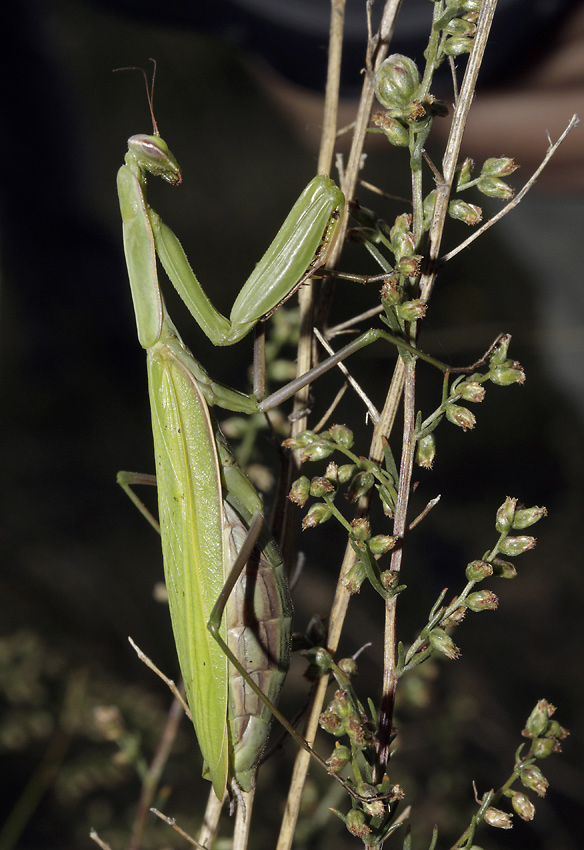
153	155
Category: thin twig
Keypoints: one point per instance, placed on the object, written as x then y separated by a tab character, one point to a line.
152	777
168	682
373	412
172	822
574	121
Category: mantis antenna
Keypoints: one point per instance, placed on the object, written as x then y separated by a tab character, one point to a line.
149	89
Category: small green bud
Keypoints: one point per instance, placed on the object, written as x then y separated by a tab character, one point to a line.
460	27
400	228
523	806
533	778
396	82
441	642
348	666
494	187
460	416
356	825
346	472
455	618
319	657
411	311
465	172
554	730
541	748
396	132
471	391
528	516
329	721
320	487
316	515
516	545
300	491
341	756
361	529
409	266
457	45
499	355
389	579
355	577
478	570
391	292
428	207
342	435
481	600
504	569
469	214
505	514
504	375
382	543
376	807
538	719
360	484
426	451
495	817
500	166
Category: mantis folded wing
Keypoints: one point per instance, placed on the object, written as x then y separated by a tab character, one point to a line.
206	503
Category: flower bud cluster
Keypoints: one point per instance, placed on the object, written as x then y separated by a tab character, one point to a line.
510	518
458	26
545	733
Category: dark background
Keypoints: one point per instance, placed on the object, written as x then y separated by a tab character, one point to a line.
78	565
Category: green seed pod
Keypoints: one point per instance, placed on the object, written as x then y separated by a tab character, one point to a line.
382	543
505	375
356	824
533	778
355	577
516	545
465	172
396	82
316	515
441	642
361	530
481	600
346	472
538	719
460	210
342	435
505	514
396	132
360	484
499	355
500	166
341	756
471	391
457	45
300	491
426	451
495	817
478	570
494	187
411	311
460	416
544	747
503	569
528	516
320	487
523	806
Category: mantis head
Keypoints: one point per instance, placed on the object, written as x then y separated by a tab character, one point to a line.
151	153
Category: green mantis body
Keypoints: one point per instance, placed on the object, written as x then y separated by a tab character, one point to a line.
206	503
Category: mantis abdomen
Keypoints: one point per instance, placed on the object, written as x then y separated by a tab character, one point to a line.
258	619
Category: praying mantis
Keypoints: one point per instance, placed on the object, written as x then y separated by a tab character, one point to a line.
210	514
